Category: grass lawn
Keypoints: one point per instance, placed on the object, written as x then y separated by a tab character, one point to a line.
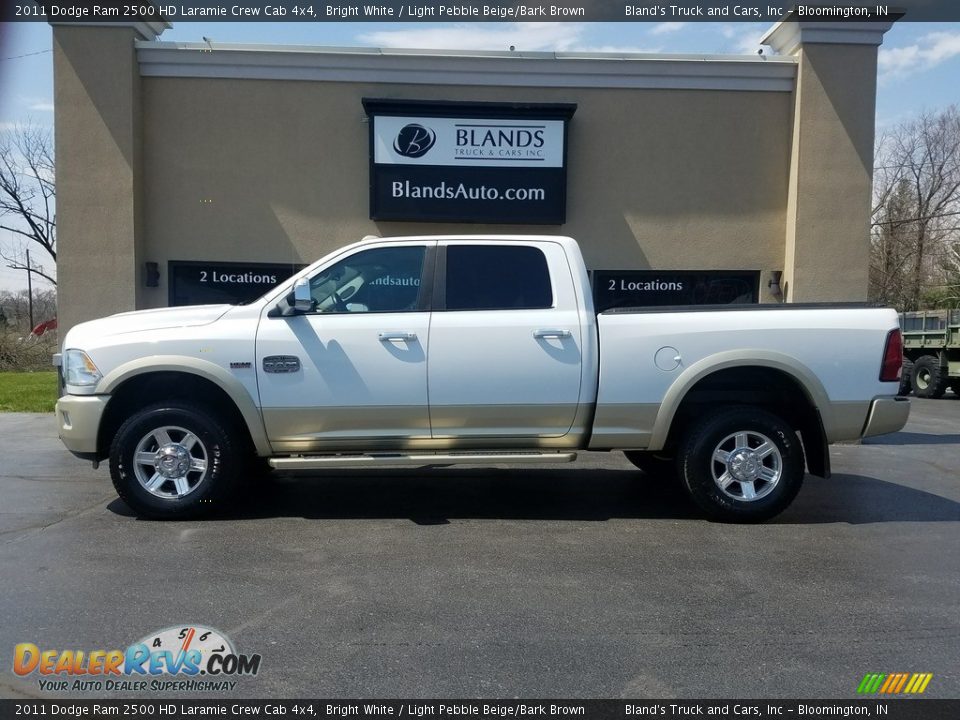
28	391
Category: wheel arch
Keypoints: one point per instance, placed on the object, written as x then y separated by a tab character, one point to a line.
760	376
136	384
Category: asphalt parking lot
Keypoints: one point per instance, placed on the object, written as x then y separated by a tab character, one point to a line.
577	581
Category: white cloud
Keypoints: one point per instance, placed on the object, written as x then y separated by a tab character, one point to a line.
930	50
36	104
748	42
744	38
523	36
667	27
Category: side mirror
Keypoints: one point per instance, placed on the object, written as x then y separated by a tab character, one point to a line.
302	299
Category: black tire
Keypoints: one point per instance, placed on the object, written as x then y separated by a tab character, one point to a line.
906	378
208	491
928	378
652	463
697	465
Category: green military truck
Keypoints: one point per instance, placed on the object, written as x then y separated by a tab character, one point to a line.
931	352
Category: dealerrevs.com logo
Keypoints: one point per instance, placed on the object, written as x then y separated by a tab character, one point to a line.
414	140
186	658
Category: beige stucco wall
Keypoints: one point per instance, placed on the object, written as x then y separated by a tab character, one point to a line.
97	144
278	171
828	212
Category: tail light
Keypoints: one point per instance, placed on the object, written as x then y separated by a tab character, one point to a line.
892	357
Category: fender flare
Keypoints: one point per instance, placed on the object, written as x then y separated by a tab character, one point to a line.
201	368
787	364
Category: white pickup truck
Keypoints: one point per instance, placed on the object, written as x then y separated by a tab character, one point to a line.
480	350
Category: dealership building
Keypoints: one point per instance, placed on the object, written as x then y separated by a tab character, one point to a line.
206	172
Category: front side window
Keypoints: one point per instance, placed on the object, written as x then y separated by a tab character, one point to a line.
497	277
384	279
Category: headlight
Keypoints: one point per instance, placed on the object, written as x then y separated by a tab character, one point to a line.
79	370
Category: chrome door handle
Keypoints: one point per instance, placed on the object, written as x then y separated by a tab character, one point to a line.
551	334
397	336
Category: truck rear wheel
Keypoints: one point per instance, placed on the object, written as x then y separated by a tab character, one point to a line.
927	378
173	460
741	464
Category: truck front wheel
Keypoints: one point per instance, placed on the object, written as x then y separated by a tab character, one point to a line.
741	464
173	460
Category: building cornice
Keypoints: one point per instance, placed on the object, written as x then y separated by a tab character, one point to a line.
418	67
788	36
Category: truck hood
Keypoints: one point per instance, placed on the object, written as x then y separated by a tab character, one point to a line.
140	320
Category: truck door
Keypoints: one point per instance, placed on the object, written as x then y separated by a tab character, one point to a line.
505	341
353	371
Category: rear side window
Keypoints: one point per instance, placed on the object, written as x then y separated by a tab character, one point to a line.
497	277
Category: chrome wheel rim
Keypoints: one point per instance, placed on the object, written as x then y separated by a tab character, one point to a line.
170	462
746	465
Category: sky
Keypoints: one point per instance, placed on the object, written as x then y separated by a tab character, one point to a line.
919	63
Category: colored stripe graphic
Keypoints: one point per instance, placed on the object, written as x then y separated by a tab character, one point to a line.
912	684
894	683
901	682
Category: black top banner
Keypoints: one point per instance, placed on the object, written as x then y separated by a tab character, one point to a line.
479	11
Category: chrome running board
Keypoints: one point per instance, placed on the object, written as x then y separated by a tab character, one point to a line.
318	462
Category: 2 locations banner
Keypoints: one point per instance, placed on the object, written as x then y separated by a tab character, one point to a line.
468	162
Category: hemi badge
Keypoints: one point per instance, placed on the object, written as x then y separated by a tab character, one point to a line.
240	366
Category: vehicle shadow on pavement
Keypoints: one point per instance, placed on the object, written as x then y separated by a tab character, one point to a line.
435	497
858	499
913	438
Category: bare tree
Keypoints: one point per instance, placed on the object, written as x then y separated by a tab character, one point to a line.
14	308
892	243
916	213
27	197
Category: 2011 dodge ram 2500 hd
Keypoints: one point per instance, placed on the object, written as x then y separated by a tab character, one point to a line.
470	349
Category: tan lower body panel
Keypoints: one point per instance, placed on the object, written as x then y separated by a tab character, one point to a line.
845	420
454	421
334	429
626	426
78	417
887	415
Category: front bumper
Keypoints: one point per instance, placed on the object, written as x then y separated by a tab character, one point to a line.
887	415
78	418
